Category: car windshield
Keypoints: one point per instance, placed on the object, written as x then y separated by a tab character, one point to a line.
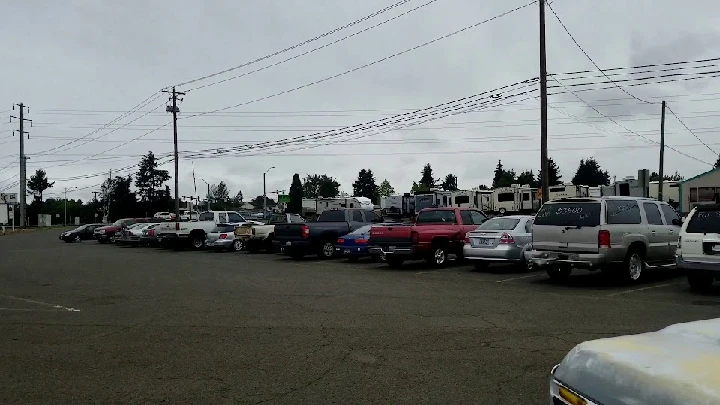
569	214
704	221
80	228
223	228
498	224
436	217
119	222
332	216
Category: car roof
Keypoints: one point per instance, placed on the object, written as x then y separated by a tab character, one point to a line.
707	207
598	199
513	216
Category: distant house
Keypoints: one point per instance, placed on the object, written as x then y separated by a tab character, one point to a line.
698	190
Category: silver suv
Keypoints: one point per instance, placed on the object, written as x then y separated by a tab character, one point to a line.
619	234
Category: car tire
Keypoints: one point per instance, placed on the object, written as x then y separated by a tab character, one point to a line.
558	272
113	239
238	245
700	283
197	241
77	238
327	250
502	211
394	262
438	256
633	268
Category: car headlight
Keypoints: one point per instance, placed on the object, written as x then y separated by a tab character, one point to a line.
101	231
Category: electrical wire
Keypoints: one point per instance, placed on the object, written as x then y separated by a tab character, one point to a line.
689	130
290	48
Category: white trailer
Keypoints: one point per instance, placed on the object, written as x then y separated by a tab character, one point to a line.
318	205
568	190
515	198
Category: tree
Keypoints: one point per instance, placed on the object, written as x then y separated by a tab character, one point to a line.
149	179
118	198
316	185
526	177
503	178
257	202
365	186
717	162
220	192
238	199
386	189
427	181
654	176
590	174
294	206
450	183
38	183
554	176
483	187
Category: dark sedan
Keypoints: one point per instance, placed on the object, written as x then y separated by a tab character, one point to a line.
83	232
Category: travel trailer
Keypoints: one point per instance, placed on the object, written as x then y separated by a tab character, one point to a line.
515	198
568	190
315	206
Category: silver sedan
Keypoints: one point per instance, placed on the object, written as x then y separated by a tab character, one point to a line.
499	239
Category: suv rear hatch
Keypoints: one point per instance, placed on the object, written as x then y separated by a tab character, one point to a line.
703	227
567	225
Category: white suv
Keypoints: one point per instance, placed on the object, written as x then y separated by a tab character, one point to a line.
698	250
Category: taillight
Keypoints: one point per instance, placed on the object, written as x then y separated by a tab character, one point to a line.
361	241
151	232
177	226
223	236
340	241
604	239
305	231
506	238
415	237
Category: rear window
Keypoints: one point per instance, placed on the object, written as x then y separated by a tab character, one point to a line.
704	222
435	217
499	224
332	216
224	228
569	214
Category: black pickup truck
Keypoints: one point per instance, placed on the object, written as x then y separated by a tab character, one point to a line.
319	237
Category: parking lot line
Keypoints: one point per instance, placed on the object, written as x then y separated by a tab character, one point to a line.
643	289
519	278
60	307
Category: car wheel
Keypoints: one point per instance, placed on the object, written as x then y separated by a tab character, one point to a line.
327	250
502	211
700	283
197	242
238	245
558	272
77	238
634	266
438	256
113	239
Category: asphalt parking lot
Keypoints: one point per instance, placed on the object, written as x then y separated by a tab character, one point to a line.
89	323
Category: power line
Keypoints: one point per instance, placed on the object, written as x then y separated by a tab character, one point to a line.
290	48
689	130
314	49
367	64
591	59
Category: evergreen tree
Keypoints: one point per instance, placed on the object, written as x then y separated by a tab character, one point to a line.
450	183
427	181
365	186
386	189
590	174
294	206
554	176
38	183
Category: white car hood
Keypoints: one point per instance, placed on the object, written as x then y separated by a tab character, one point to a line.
678	365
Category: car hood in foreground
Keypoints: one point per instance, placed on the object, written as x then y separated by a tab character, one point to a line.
673	366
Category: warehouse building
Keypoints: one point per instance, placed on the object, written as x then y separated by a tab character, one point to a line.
698	190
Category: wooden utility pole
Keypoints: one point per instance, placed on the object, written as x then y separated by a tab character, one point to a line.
662	152
23	160
545	186
174	110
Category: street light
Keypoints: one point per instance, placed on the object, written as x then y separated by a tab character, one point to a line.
265	192
208	193
65	216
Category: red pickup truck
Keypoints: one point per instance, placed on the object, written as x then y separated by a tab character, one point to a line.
437	232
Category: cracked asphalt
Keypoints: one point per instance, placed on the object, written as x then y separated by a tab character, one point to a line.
87	323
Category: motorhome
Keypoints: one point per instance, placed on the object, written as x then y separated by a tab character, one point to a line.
671	191
568	190
315	206
462	199
516	198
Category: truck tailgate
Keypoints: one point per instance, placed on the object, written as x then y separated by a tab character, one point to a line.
393	235
289	232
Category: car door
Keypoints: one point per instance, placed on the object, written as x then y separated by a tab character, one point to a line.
673	224
658	248
87	233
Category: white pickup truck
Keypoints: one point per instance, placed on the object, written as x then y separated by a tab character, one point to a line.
193	233
259	237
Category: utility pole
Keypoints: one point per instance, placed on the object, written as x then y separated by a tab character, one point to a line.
265	193
662	152
23	159
106	214
174	109
208	194
65	215
545	186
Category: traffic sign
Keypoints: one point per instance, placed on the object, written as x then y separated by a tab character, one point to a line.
283	198
8	198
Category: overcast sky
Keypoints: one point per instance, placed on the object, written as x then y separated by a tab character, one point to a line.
80	64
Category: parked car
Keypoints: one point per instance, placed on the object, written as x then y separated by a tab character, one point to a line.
132	234
222	237
499	239
436	233
354	245
106	234
195	233
621	235
676	365
167	216
83	232
258	237
698	249
320	237
148	237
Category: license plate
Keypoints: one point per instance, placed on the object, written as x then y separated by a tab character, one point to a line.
391	248
346	251
288	243
482	242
